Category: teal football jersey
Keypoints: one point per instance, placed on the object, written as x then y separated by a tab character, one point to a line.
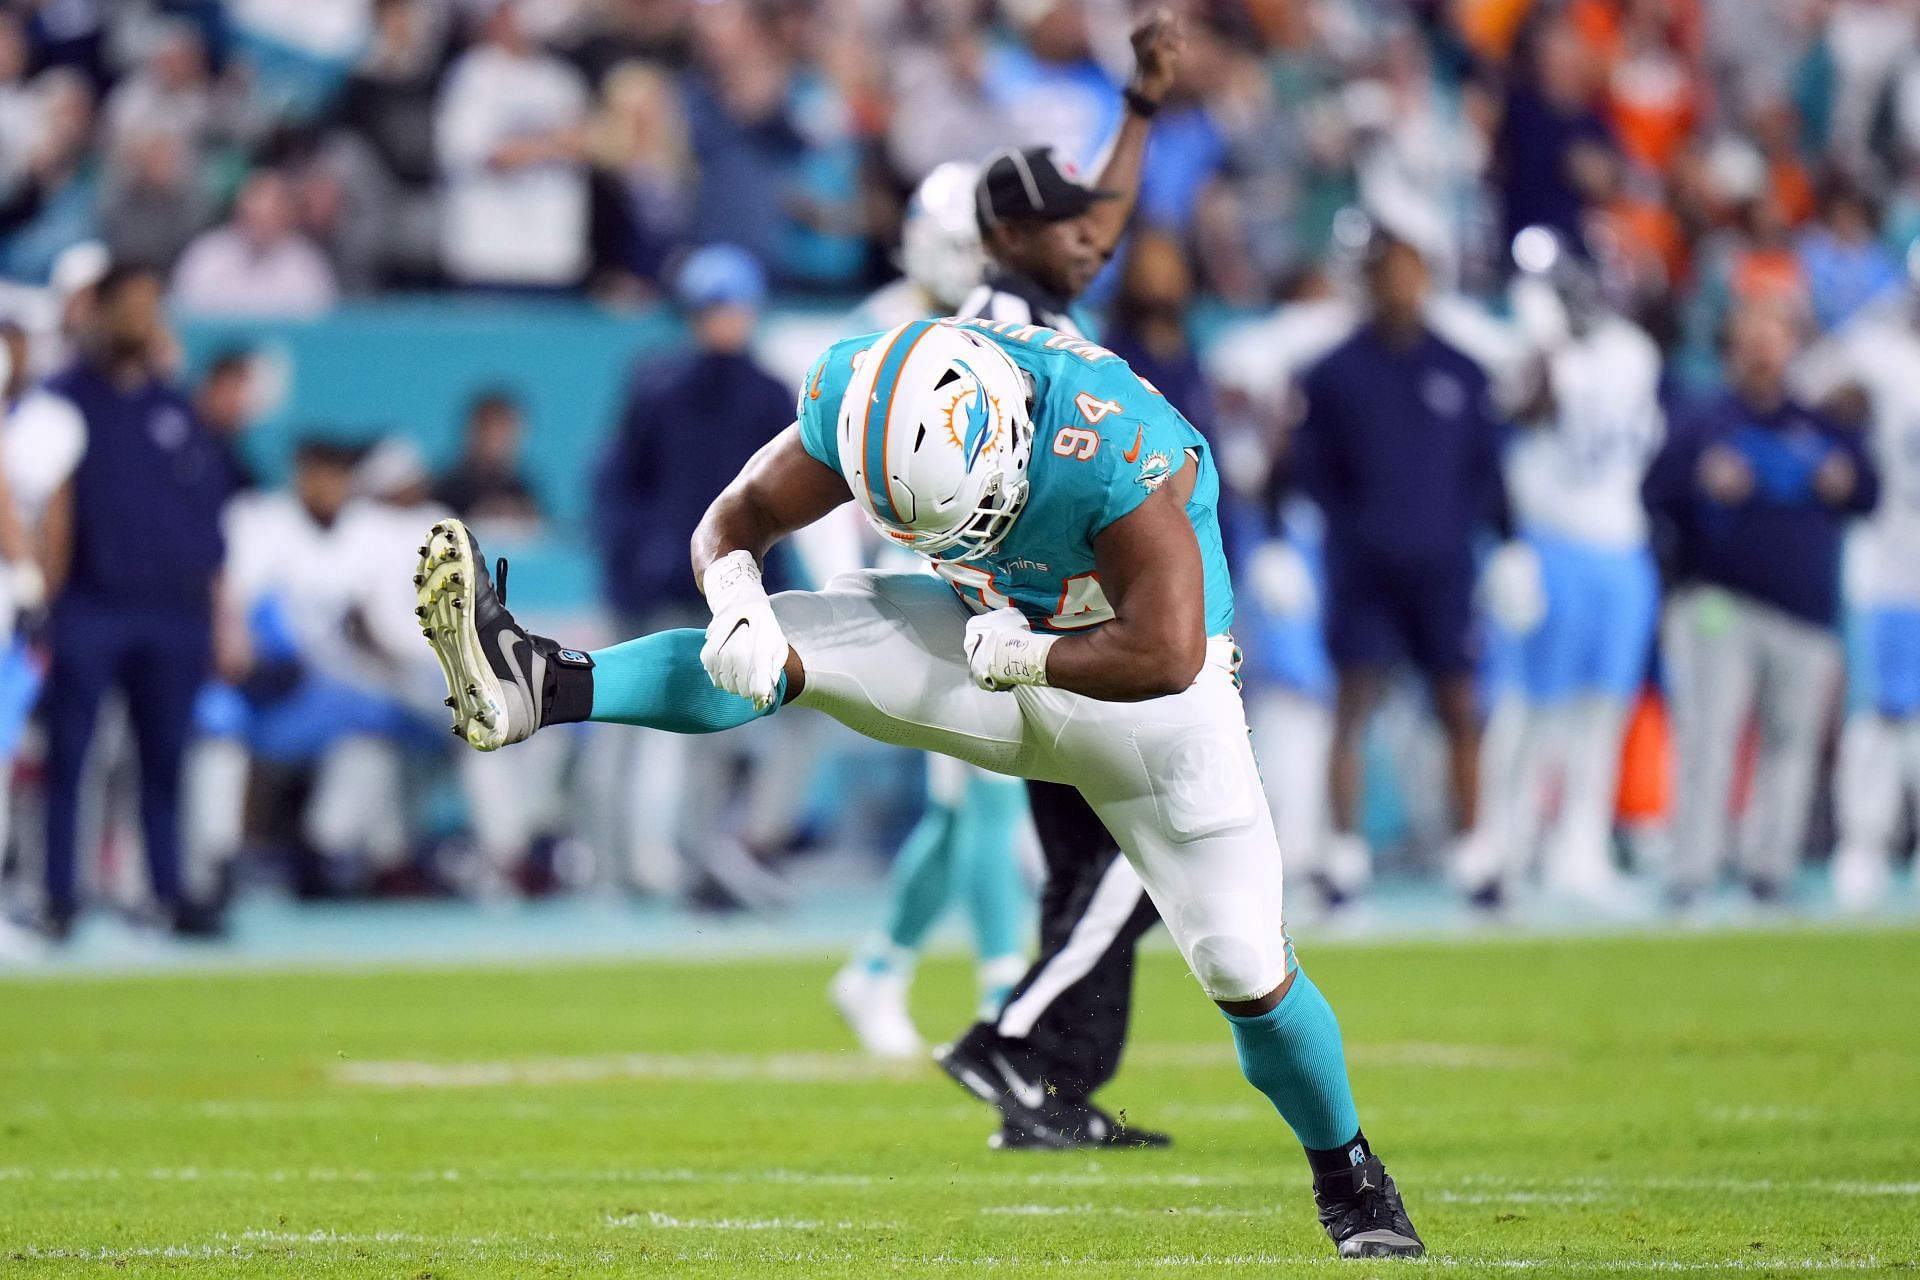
1103	441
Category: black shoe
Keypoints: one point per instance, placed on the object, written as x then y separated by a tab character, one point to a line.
54	925
1332	897
499	679
1035	1113
197	921
1361	1210
1088	1127
1489	899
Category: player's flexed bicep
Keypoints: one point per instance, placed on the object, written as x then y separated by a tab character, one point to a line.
1150	568
782	488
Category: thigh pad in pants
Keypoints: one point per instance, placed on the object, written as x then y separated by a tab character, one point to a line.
1174	780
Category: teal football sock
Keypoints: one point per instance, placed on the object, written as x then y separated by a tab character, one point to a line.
1292	1054
921	881
657	682
987	871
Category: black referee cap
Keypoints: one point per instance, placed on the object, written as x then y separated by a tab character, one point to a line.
1033	185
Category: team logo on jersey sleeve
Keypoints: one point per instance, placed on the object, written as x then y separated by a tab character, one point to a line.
1155	470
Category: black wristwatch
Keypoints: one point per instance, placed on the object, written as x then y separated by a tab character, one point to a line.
1139	103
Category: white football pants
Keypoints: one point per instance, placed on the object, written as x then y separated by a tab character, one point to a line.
1172	778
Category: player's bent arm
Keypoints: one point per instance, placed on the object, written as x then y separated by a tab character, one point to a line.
1151	572
782	488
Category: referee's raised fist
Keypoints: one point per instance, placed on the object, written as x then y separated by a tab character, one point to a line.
1156	53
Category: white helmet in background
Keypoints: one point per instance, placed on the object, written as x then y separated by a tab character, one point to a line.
940	239
935	438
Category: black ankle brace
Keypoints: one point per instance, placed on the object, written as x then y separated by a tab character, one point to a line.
1337	1166
568	693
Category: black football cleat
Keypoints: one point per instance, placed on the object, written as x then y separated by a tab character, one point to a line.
1361	1210
499	683
1085	1127
1035	1114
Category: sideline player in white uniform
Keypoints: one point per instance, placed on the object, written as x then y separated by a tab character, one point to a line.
1574	481
963	848
1876	358
42	438
1080	637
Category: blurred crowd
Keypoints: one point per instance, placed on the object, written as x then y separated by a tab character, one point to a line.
273	156
1737	182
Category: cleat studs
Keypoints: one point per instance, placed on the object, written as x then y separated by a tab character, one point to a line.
420	611
459	602
419	579
423	548
473	691
458	732
453	579
448	700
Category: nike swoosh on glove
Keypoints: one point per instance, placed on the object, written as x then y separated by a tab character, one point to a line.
1003	651
745	649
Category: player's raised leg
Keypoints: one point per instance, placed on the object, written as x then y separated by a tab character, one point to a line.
1181	791
503	682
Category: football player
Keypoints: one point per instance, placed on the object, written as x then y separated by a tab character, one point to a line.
1574	480
1868	366
1077	633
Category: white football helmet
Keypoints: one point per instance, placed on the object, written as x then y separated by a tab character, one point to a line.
935	437
940	239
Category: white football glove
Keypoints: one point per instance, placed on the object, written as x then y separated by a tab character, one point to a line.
1003	651
1513	589
1281	581
745	649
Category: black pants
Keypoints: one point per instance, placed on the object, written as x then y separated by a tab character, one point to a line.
1070	1010
159	659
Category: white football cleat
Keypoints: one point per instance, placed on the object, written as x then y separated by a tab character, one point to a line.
1861	880
875	1008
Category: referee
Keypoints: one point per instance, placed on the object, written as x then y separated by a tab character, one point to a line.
1059	1036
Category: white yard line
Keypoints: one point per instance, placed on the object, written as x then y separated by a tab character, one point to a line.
849	1067
1473	1189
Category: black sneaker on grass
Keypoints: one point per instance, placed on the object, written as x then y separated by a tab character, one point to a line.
1035	1114
1361	1210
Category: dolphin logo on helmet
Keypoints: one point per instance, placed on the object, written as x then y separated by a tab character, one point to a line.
935	439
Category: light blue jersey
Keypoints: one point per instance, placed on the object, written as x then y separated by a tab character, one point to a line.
1103	441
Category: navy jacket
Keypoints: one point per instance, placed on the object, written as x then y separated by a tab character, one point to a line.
690	423
1782	544
1401	450
147	495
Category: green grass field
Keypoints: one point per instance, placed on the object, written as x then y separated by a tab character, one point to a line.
1695	1103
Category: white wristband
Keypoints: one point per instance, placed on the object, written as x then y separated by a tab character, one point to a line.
1021	658
728	576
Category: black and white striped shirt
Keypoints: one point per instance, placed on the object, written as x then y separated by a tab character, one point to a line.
1018	300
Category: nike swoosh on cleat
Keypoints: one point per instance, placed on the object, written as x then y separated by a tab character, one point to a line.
1139	434
1024	1091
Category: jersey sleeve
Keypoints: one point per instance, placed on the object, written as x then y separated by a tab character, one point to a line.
818	409
812	413
1143	440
